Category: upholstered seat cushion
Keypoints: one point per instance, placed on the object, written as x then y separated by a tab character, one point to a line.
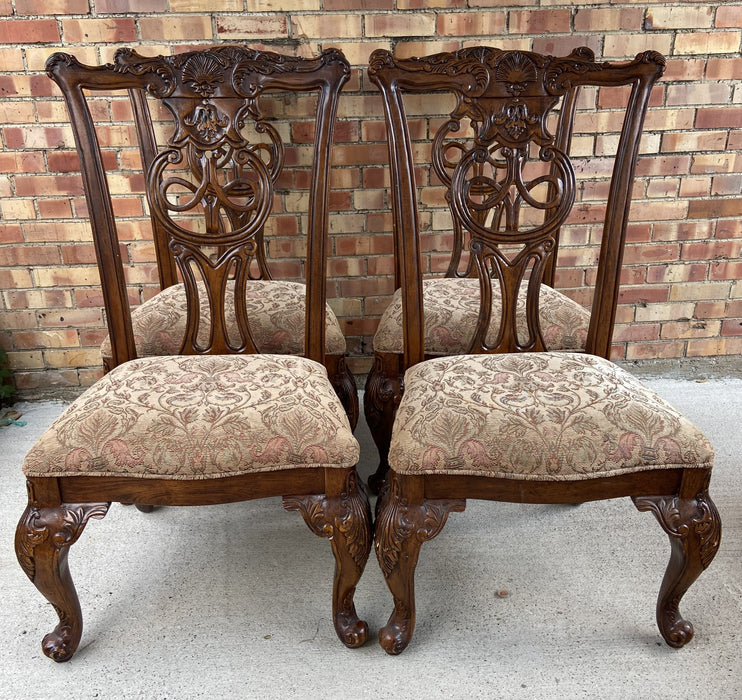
548	416
199	417
451	309
275	310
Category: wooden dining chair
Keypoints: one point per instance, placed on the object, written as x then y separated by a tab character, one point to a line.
160	325
451	299
511	420
218	422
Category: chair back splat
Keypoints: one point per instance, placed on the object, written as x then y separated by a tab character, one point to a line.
488	383
216	390
211	187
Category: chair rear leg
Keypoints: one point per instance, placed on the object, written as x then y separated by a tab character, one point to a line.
43	538
401	528
694	527
343	515
381	397
344	384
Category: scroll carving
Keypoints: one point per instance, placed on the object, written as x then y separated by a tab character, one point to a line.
56	527
682	519
347	516
397	522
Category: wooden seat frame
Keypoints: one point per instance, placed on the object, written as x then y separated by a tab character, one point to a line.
209	92
507	94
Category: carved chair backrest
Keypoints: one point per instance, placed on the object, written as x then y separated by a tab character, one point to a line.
210	187
510	184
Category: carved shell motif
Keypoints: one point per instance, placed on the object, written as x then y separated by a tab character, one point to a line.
203	73
516	71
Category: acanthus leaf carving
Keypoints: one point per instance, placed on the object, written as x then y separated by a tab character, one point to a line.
397	522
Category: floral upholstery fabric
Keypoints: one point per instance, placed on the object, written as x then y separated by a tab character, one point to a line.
547	416
199	417
275	310
451	309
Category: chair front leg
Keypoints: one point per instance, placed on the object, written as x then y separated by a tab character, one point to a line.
404	521
343	515
694	527
42	541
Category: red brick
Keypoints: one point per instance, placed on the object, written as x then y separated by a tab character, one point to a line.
21	162
608	20
539	21
711	250
727	184
725	270
713	309
721	68
731	327
715	207
22	256
706	43
246	27
719	117
401	24
120	7
644	294
55	7
470	23
728	16
29	31
675	17
654	351
701	94
565	44
40	185
110	30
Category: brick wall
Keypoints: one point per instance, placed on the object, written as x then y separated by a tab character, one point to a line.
682	295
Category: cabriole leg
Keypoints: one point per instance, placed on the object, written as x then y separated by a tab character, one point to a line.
343	515
43	538
694	527
402	525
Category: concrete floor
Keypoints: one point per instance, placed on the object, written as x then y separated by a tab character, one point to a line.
234	600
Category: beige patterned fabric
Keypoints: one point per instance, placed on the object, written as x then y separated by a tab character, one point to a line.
275	310
451	309
199	417
547	416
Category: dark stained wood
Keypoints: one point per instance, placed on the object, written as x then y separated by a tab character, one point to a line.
507	96
229	176
209	93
